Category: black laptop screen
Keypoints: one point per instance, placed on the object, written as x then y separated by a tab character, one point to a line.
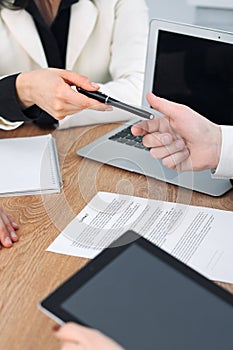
197	72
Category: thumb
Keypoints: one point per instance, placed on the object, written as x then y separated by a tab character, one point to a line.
79	80
73	332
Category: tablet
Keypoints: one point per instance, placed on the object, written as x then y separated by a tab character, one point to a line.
145	299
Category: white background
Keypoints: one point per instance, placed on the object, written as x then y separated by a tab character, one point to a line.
173	10
220	16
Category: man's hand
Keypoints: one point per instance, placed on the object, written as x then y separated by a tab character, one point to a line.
183	139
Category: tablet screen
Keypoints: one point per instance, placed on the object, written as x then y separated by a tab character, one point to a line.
145	304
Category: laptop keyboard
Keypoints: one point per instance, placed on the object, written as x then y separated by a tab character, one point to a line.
125	136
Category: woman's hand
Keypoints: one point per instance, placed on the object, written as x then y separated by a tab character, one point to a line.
74	336
50	89
7	229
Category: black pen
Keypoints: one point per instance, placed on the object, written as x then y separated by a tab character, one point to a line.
101	97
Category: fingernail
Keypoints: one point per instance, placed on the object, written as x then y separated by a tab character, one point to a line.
108	108
14	235
8	241
94	85
165	140
56	327
14	224
179	144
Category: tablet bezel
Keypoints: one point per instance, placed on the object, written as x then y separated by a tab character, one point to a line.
51	305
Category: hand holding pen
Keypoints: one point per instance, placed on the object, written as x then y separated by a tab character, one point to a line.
101	97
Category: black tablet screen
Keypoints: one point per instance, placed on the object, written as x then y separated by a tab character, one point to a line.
145	304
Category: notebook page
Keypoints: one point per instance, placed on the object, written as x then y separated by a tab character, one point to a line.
27	165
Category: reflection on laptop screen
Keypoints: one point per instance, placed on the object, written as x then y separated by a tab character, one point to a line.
197	72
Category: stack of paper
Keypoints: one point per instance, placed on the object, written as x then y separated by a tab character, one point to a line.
29	165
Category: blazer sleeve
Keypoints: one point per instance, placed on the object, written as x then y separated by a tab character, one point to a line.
225	166
11	113
127	64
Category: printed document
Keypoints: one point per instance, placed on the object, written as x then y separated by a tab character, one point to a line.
200	237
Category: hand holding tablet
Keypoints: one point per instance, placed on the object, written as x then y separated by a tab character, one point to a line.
137	294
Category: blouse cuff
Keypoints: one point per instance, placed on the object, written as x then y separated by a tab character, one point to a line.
7	125
225	165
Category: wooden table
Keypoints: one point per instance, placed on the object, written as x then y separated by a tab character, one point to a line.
28	272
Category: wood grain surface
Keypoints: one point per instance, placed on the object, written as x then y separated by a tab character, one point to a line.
27	271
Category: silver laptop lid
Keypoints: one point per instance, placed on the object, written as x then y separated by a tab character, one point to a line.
193	66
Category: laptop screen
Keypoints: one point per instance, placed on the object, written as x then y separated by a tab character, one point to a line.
197	72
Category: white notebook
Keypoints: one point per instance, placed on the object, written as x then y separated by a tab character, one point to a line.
29	165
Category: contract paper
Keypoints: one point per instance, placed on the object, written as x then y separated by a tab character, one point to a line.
200	237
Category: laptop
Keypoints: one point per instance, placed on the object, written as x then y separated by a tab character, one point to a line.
145	299
186	64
